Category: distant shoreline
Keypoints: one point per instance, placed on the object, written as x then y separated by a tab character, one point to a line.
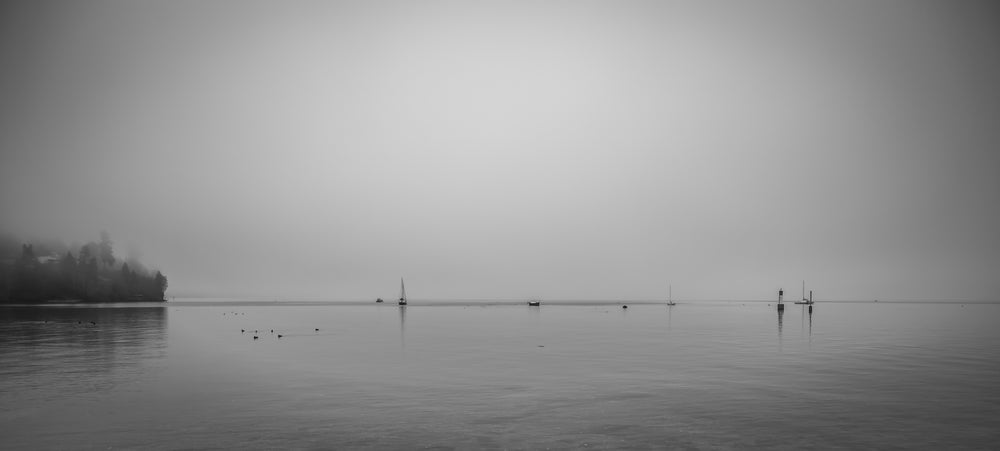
257	301
76	301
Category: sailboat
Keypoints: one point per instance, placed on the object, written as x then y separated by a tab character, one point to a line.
670	297
402	292
804	299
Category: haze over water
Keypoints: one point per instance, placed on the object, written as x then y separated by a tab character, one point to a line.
556	149
724	375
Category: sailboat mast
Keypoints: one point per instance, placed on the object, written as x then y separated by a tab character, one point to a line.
402	290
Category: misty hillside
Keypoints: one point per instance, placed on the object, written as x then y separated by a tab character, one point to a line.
49	270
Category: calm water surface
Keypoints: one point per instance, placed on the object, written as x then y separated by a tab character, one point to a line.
182	375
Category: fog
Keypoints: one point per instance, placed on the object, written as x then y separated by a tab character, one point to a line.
494	150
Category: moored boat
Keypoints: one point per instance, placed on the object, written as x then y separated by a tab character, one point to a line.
804	299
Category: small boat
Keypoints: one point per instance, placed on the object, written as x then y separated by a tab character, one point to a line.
534	303
670	296
804	299
379	301
402	292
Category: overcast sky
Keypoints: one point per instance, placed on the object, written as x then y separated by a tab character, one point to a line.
562	150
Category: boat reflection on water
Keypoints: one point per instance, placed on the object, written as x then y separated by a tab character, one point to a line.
810	321
670	314
781	315
402	327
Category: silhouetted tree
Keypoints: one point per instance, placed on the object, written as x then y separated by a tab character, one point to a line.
105	251
26	280
85	255
90	269
161	285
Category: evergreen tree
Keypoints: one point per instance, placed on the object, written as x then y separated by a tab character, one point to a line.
105	251
84	255
26	283
161	284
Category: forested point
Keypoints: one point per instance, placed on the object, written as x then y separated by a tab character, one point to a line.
52	271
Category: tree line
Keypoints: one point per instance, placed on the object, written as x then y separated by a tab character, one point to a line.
93	274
